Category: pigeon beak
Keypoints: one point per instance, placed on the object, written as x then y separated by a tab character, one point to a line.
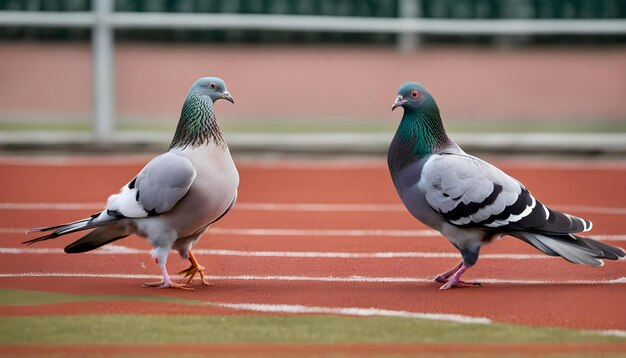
227	96
399	102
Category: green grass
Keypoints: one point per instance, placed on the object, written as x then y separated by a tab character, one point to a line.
155	329
10	297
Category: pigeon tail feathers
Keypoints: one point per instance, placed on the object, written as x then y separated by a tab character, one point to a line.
573	248
68	228
94	239
55	227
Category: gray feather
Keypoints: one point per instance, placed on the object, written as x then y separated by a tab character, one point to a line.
573	248
60	230
96	238
467	191
163	182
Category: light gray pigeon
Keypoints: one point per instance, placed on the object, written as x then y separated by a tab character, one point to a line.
470	201
176	196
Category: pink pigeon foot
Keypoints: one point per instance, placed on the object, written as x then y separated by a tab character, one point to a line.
166	282
452	283
444	276
454	280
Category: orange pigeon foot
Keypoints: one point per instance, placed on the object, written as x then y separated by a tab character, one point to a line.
194	269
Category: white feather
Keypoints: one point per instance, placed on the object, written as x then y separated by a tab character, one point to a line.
547	212
125	202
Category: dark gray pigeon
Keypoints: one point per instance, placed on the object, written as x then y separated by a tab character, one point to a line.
176	196
470	201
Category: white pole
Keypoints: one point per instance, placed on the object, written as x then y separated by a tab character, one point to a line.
409	9
103	72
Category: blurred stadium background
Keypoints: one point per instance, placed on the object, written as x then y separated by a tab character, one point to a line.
314	75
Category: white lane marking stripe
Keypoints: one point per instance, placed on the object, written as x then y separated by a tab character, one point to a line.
13	230
590	209
353	311
291	232
330	232
608	237
115	249
304	207
320	207
609	332
322	232
52	206
370	312
358	279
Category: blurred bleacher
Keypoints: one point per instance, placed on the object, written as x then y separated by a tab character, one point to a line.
429	9
553	66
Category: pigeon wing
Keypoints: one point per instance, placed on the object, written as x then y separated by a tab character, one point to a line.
469	192
156	189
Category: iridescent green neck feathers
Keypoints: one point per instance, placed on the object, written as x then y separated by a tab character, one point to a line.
197	125
420	134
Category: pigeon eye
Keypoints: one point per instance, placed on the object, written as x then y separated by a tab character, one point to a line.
212	85
414	94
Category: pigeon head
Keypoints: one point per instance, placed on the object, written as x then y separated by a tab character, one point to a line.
213	87
411	95
421	132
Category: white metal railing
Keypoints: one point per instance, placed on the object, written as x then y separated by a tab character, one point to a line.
102	20
402	25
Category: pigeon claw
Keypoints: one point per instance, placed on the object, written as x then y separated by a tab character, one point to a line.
458	283
168	284
194	269
191	272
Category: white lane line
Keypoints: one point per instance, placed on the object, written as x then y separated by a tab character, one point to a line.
51	206
296	207
329	232
590	209
13	230
608	237
62	161
322	232
351	279
378	312
123	250
353	311
289	232
609	332
320	207
305	207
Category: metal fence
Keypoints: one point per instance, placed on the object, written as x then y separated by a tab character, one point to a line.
412	19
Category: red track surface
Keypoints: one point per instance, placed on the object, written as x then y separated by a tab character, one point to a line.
320	350
597	306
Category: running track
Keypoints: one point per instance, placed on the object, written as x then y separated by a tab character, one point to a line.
325	235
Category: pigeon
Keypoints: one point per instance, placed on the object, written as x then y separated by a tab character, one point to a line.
175	197
471	202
